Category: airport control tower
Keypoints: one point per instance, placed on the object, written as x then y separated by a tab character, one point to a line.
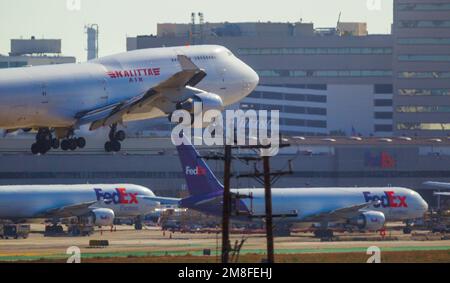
92	41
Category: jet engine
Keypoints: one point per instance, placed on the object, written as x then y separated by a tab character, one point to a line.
103	216
369	220
208	100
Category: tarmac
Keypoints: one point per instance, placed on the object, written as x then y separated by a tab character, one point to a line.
126	242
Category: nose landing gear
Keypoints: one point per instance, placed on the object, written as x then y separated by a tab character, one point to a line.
115	137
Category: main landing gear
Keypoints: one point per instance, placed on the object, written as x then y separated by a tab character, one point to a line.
324	234
45	141
73	143
115	137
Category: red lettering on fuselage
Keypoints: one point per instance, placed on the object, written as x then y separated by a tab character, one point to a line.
135	73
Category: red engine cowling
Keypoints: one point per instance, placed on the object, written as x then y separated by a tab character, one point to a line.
370	220
103	216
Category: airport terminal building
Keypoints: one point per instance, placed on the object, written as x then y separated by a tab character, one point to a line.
340	81
153	162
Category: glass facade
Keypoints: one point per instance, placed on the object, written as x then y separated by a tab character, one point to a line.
424	41
424	91
316	51
424	7
302	86
423	109
286	108
325	73
304	123
383	128
424	75
431	58
383	102
423	24
383	89
424	126
12	64
421	67
288	96
383	115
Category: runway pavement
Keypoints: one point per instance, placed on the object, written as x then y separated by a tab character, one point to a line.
126	242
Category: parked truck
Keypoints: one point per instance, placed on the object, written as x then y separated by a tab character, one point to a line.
14	231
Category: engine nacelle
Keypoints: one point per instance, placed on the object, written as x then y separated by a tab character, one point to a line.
103	216
208	100
369	220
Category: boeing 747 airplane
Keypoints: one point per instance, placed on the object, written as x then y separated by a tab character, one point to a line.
143	84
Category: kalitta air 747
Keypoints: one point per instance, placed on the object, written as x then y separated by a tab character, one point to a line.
143	84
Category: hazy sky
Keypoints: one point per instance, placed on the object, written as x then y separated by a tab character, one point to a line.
119	18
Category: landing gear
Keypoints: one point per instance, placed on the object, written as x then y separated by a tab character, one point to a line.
115	137
45	141
51	230
73	143
138	223
407	230
324	234
282	230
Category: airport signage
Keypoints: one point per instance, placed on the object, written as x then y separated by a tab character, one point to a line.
382	160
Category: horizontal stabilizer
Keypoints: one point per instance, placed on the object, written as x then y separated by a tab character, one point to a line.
163	200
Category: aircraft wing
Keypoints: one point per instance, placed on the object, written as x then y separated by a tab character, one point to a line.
341	213
190	75
67	211
163	200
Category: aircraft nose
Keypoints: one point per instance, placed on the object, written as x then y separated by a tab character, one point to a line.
253	78
424	205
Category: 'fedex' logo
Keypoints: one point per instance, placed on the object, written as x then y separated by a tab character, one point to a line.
197	171
120	196
389	199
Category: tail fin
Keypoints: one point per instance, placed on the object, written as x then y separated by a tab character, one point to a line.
199	177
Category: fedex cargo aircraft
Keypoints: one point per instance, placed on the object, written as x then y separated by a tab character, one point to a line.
361	208
100	202
143	84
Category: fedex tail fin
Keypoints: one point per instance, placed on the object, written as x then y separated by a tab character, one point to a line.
199	177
